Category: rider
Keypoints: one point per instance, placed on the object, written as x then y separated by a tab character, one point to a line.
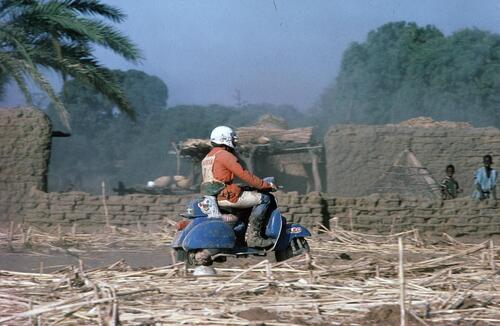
219	169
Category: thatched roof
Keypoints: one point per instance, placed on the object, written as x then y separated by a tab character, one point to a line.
271	121
249	136
426	122
256	135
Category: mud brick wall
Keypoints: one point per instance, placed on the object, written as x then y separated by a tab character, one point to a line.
85	209
24	156
88	210
391	214
308	210
358	155
374	214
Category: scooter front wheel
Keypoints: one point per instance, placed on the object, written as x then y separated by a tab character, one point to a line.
296	247
198	257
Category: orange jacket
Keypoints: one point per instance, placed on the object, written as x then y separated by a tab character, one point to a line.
225	168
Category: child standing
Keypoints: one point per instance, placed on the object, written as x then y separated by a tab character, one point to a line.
449	186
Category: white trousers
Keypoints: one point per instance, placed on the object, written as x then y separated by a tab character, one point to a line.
247	199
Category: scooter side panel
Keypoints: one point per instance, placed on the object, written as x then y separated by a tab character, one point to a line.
274	225
177	240
181	235
211	234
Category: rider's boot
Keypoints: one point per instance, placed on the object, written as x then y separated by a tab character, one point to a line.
254	235
255	230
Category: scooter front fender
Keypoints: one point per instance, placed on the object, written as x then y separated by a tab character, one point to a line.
292	231
211	234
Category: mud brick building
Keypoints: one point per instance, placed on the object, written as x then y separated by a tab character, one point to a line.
357	155
25	136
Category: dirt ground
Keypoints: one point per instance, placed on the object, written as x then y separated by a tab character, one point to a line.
33	261
95	250
49	252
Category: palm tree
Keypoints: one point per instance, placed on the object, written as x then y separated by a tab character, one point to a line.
59	35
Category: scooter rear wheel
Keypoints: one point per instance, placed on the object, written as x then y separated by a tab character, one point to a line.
180	255
296	247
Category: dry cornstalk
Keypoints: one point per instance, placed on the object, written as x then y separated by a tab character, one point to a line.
402	282
492	257
343	291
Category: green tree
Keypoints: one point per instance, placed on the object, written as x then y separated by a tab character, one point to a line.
402	71
370	85
103	138
60	35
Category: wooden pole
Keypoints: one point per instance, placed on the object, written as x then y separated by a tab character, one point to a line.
27	240
349	212
30	307
492	257
309	184
250	160
10	235
269	272
80	266
315	170
401	282
105	205
177	158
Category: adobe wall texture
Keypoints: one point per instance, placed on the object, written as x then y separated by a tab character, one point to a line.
357	155
372	214
391	214
24	156
85	209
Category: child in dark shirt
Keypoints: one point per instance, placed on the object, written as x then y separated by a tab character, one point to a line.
449	186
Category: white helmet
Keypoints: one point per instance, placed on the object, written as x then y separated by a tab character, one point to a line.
223	135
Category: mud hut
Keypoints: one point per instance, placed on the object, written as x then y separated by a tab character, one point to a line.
269	148
358	155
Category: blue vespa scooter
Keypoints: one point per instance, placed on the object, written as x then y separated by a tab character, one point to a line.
204	236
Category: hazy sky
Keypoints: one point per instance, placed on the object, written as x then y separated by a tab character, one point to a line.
281	52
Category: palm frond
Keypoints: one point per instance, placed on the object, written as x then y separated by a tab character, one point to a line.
54	18
94	7
100	79
9	35
113	39
19	70
40	80
3	81
59	34
7	6
16	72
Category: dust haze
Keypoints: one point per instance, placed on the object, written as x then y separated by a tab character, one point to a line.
229	62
